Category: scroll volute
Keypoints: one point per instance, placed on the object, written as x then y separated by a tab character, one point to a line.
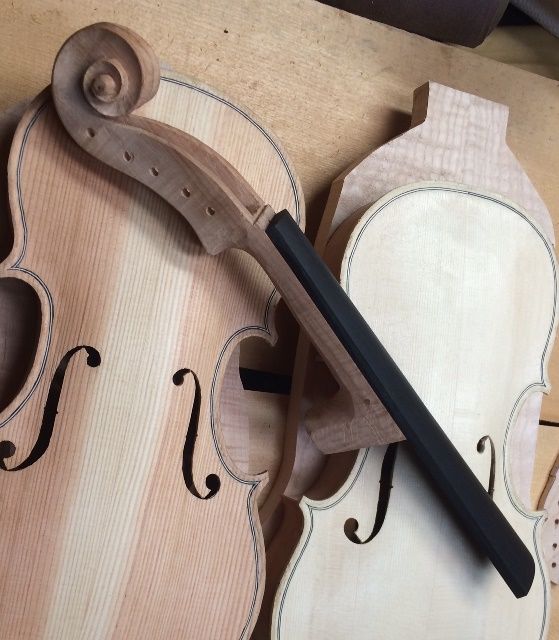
101	75
104	72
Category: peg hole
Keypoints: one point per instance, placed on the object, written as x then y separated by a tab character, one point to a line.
154	171
128	156
554	545
553	565
185	193
210	211
556	520
90	132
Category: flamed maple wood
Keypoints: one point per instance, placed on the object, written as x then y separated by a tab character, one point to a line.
440	146
469	148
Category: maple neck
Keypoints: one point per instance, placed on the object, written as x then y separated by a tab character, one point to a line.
95	107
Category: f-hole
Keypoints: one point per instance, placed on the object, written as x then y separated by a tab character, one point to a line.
386	474
213	483
481	448
8	449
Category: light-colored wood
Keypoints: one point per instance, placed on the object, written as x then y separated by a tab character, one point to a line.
549	502
464	297
457	137
454	137
548	452
418	165
222	208
100	537
19	313
292	63
252	424
327	52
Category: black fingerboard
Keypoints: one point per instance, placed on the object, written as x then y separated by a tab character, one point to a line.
464	495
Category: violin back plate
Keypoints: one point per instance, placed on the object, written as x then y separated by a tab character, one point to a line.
458	138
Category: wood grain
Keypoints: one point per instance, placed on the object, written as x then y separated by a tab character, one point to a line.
455	137
100	537
220	205
459	258
547	453
320	61
367	181
343	63
549	502
346	64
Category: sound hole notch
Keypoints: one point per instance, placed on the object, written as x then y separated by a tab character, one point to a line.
386	474
213	483
8	449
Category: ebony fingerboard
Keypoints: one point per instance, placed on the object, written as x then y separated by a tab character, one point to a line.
480	518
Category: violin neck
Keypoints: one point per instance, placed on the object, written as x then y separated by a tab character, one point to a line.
350	342
224	211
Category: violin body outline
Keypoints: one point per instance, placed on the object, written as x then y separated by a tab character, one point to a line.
84	524
418	538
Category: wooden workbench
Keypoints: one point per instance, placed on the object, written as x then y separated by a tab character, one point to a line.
331	86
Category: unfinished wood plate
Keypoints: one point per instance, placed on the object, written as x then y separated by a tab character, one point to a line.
461	288
115	526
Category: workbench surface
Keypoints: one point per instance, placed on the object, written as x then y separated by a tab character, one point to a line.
330	85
